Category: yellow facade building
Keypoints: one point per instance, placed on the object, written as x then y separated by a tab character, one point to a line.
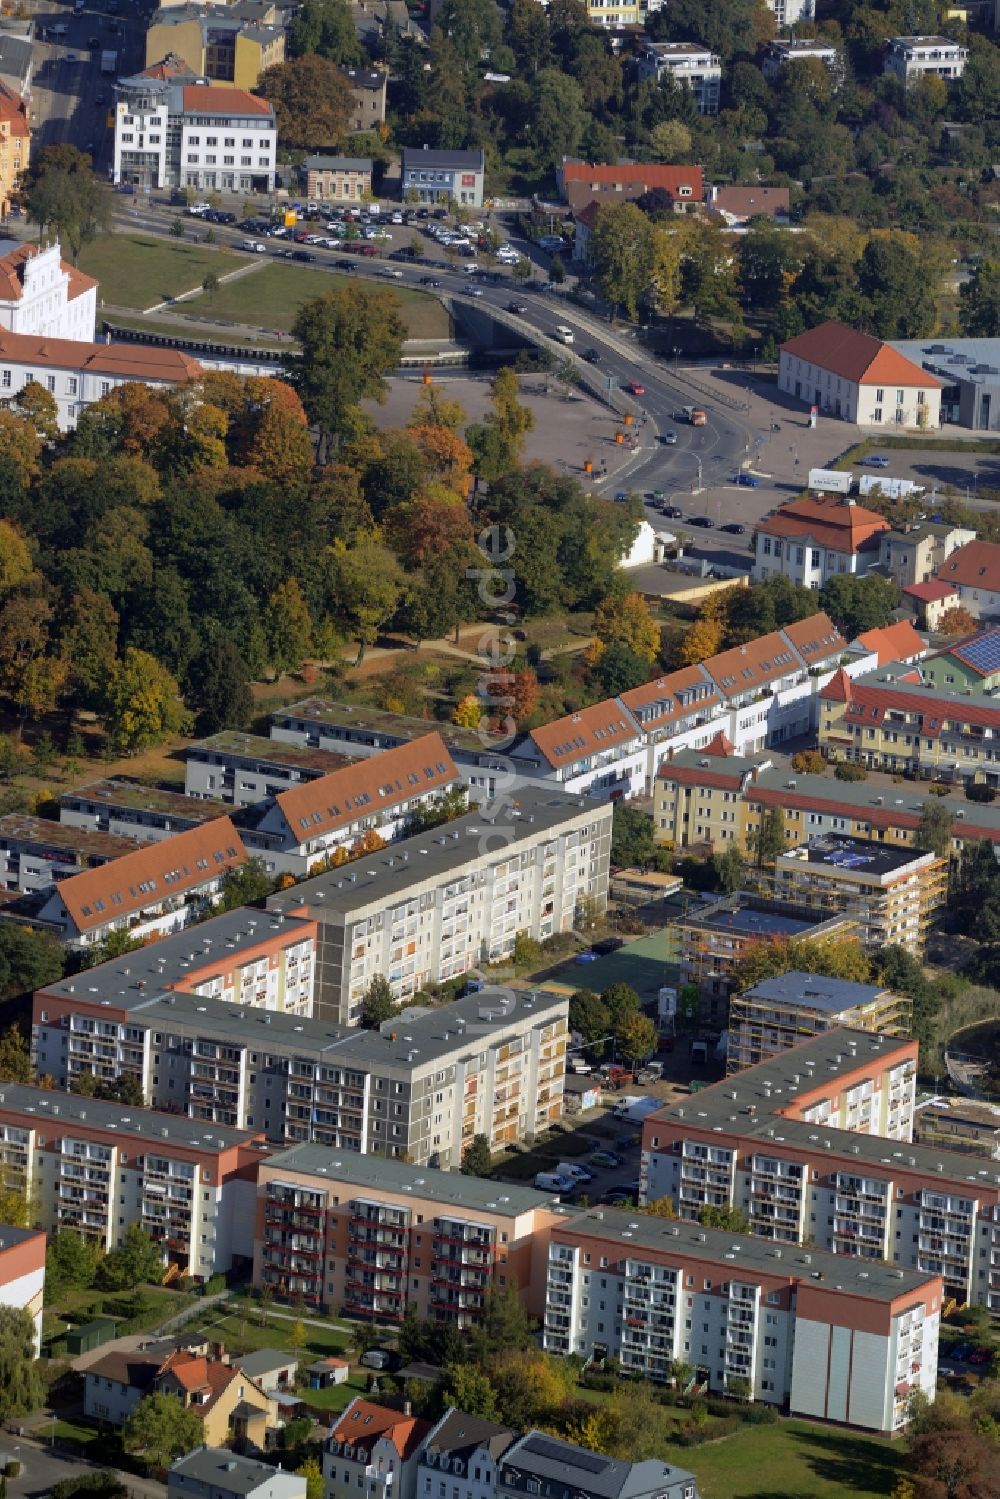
227	49
15	144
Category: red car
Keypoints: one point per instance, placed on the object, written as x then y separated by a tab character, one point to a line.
635	389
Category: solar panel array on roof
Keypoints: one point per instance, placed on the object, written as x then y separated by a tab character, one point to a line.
555	1452
983	653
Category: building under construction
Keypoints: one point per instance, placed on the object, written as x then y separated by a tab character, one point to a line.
780	1012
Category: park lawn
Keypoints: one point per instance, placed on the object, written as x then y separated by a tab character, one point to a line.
792	1460
244	1334
272	296
74	1434
73	1307
136	270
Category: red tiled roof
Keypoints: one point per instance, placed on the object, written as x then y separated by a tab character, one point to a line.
754	664
14	110
365	786
12	274
672	696
748	201
172	866
700	775
170	66
587	732
363	1423
857	357
815	638
839	689
648	175
887	816
198	1375
829	520
870	703
976	565
929	592
721	744
201	98
896	642
118	361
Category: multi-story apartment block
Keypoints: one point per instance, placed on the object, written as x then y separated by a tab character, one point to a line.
779	1013
687	63
127	809
35	852
890	720
434	906
785	52
464	1447
422	1087
376	1237
171	133
833	1339
912	57
373	1448
245	958
368	91
813	1144
304	827
547	1466
359	731
598	752
723	797
243	769
229	44
15	144
151	890
714	937
890	892
22	1273
98	1168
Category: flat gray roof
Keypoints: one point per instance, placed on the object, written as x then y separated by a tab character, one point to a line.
362	719
564	1467
813	991
814	1066
133	979
452	1029
255	748
67	1109
10	1236
135	797
839	852
528	816
372	1172
836	1272
41	833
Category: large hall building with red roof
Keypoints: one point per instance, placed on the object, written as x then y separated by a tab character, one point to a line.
859	378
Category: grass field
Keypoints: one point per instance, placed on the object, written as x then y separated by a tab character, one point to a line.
793	1460
272	296
74	1307
135	270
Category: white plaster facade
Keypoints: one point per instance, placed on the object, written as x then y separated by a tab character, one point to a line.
41	294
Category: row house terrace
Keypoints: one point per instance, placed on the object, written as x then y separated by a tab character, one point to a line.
148	892
597	752
891	720
244	769
378	1237
128	809
813	1332
97	1168
86	1022
815	1145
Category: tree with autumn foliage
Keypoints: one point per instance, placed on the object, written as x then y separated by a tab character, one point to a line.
512	694
468	712
20	445
143	703
956	621
16	564
427	527
288	627
700	641
624	619
448	456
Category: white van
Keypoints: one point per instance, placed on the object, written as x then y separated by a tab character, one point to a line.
578	1173
553	1181
254	246
564	334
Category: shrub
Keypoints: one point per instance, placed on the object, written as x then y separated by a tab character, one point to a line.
708	1431
846	770
809	762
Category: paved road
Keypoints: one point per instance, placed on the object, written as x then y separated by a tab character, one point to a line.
44	1466
70	98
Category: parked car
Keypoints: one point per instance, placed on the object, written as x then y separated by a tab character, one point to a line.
748	481
429	281
980	1356
592	356
615	1197
705	521
519	307
734	527
672	512
609	944
304	255
876	460
607	1159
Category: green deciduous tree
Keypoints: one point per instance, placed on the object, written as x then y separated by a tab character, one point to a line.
589	1015
379	1003
162	1428
369	585
247	886
557	116
63	196
219	687
143	705
769	839
979	301
840	958
621	251
733	1220
311	1471
476	1158
468	1388
21	1387
635	1036
934	827
730	868
28	960
632	841
288	627
348	339
325	27
136	1260
70	1262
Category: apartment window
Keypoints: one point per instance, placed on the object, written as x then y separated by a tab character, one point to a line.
6	380
194	140
213	140
50	383
877	414
247	143
880	396
229	161
899	398
229	140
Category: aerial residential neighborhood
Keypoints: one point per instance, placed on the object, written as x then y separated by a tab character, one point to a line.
499	750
